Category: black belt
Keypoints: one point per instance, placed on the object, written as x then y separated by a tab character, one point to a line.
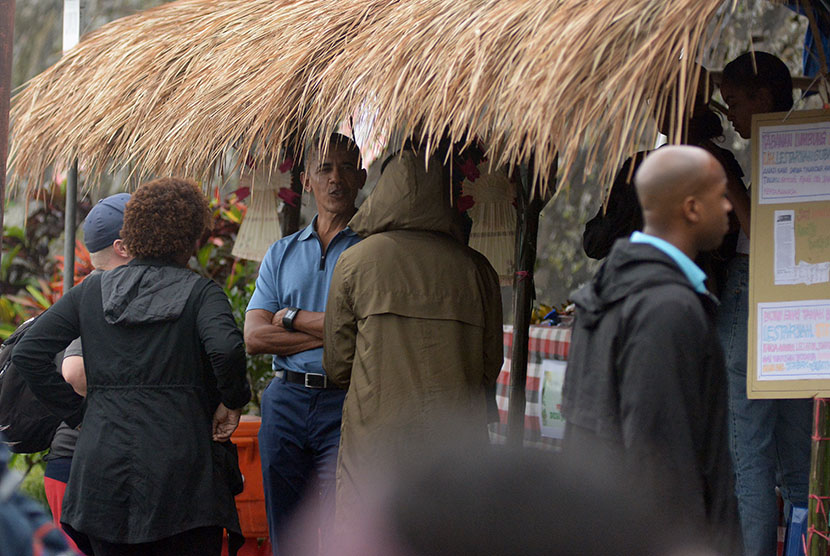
309	380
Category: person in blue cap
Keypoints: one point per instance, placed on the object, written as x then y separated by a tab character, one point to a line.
102	237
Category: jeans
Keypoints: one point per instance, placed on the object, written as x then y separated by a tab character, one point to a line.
769	439
298	441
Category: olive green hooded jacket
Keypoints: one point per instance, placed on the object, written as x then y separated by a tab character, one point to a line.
413	326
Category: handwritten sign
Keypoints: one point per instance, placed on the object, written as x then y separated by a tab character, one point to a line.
794	163
793	340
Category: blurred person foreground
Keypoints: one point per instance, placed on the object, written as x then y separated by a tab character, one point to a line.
468	498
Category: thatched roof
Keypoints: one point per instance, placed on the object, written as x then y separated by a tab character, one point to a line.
172	89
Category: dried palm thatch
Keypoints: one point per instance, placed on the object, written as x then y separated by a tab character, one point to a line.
172	90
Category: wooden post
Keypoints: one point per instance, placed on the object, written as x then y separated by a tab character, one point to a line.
818	530
69	223
72	20
530	202
6	47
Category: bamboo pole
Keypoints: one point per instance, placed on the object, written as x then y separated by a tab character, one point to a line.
6	47
818	532
530	202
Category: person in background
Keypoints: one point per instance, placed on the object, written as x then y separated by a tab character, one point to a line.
301	409
102	237
25	529
153	470
413	327
623	215
645	382
770	438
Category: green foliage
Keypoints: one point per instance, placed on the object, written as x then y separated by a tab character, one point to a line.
32	467
213	259
259	366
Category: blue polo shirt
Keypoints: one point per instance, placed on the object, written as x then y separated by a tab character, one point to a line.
296	273
693	272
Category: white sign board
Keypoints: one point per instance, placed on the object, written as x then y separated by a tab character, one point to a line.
793	340
794	163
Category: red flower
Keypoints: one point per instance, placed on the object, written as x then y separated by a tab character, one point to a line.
470	170
242	193
465	203
288	196
286	165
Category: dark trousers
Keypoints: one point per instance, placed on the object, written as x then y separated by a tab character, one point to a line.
203	541
298	441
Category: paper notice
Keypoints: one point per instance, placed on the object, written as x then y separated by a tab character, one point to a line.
553	376
806	273
784	241
794	163
794	340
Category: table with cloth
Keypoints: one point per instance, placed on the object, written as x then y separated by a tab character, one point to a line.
547	354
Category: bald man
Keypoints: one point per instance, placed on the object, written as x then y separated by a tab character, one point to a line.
645	384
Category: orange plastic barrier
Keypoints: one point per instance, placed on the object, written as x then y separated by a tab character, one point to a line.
250	503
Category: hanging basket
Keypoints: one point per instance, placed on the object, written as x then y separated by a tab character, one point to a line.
261	225
494	220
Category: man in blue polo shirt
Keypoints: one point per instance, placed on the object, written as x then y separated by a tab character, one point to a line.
645	384
301	410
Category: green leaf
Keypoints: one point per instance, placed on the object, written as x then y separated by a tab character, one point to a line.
203	255
38	295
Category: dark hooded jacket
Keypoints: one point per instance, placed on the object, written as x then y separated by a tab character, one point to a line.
161	350
646	386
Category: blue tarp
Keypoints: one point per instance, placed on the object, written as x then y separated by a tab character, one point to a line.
811	59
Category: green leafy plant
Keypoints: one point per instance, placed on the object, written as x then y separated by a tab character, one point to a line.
213	259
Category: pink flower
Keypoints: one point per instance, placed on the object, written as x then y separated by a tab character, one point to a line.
288	196
470	170
286	165
465	203
242	193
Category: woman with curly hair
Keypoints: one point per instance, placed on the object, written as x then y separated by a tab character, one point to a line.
153	471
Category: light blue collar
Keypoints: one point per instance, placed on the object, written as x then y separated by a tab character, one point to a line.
309	231
693	272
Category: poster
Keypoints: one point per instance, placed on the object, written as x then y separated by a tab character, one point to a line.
788	333
794	340
794	163
553	376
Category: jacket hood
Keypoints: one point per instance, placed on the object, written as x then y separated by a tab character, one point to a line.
143	292
629	268
408	197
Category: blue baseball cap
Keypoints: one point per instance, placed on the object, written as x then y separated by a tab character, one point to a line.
103	223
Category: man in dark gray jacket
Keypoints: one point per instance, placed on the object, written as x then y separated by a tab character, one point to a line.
645	384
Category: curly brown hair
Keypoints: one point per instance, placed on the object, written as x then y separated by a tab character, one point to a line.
164	218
